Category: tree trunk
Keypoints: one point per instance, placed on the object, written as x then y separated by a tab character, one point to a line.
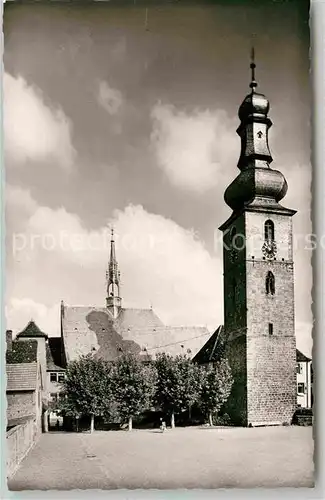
172	420
92	423
46	421
210	419
77	424
130	424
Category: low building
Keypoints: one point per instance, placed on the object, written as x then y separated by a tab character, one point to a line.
24	391
304	381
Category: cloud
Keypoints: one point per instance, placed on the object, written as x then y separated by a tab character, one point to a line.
20	311
304	337
161	264
194	148
32	129
108	98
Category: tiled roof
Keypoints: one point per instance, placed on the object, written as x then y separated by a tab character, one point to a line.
31	330
137	319
212	349
53	354
301	357
22	352
89	329
21	377
19	420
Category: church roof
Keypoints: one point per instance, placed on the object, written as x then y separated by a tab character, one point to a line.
213	349
31	331
140	331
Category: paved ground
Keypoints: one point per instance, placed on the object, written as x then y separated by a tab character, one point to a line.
180	458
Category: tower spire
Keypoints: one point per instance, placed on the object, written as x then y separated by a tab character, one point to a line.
253	83
257	181
113	299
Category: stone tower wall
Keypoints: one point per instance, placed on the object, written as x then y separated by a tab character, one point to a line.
263	365
271	359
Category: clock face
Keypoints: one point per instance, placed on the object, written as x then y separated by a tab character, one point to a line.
269	249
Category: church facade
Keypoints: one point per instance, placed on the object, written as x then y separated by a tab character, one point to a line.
259	322
106	332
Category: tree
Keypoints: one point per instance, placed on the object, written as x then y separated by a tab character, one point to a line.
178	384
87	388
215	389
134	386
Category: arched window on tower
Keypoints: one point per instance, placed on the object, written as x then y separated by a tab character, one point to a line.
270	283
269	230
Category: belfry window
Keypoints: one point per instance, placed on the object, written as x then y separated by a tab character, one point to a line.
270	283
269	230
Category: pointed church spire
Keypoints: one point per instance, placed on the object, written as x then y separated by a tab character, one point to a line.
113	299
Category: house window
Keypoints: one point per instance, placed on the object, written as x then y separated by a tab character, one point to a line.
270	283
53	377
301	388
61	378
269	230
54	396
270	328
298	368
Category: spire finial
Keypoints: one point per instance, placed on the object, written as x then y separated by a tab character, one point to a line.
112	233
253	83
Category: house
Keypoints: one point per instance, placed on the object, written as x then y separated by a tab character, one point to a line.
304	380
54	368
24	391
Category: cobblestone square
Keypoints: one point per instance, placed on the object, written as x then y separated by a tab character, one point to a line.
179	458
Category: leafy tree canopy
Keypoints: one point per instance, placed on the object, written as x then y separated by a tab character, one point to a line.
178	383
216	386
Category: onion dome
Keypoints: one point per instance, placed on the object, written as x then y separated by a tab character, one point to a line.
254	105
255	183
256	180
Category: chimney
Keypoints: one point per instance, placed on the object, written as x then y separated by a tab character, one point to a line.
9	339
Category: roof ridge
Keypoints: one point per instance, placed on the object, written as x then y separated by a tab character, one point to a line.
32	330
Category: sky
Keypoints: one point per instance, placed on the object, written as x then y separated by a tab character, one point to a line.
115	117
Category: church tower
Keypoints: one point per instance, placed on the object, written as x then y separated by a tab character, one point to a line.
113	300
258	278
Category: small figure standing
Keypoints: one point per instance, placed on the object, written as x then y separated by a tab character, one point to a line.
162	425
